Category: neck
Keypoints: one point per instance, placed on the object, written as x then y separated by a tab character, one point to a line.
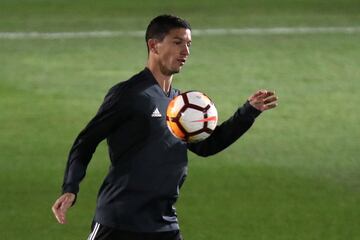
163	80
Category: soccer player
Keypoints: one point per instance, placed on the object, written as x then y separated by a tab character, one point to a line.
148	164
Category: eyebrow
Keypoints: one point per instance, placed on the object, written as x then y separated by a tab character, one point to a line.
181	39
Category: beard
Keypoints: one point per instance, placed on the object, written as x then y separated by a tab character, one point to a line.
167	71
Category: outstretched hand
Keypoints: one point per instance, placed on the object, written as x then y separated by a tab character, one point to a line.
263	100
62	204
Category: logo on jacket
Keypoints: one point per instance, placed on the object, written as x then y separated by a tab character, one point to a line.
156	113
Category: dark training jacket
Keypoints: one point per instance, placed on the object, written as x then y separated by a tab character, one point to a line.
148	164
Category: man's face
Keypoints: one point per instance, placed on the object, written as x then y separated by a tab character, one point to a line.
174	50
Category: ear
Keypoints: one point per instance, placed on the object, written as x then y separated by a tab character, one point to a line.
152	44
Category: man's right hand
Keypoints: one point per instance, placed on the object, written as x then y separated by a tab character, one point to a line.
61	205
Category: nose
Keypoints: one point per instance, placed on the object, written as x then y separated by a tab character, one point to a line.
186	50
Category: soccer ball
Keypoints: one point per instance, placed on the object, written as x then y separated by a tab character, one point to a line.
191	116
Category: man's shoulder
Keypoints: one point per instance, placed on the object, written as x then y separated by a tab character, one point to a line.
135	84
129	91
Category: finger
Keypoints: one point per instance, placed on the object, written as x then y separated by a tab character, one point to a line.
270	99
56	206
262	94
63	210
258	94
270	106
270	93
60	217
59	210
65	206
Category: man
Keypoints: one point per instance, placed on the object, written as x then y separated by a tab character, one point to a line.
148	164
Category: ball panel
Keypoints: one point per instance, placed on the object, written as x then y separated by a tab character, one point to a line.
175	130
198	98
189	120
174	107
199	137
212	117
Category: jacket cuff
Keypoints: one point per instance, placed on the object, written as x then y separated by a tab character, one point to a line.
71	189
250	110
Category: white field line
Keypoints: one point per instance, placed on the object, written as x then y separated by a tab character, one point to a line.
195	32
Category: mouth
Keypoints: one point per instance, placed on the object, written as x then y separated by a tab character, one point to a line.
181	61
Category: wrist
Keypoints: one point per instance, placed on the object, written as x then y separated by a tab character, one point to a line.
251	110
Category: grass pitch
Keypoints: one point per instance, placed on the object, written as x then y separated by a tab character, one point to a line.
294	175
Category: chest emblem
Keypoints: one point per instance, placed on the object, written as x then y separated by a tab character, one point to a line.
156	113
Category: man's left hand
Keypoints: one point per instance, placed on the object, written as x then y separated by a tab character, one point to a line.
263	100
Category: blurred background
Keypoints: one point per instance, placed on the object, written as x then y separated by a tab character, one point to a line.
294	175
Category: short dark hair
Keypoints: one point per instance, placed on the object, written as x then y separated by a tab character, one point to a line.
161	25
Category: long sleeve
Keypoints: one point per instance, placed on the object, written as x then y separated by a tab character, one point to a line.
226	133
106	119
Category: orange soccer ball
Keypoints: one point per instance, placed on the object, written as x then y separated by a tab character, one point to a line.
191	116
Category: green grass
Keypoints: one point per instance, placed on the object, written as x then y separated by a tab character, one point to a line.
294	175
66	15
